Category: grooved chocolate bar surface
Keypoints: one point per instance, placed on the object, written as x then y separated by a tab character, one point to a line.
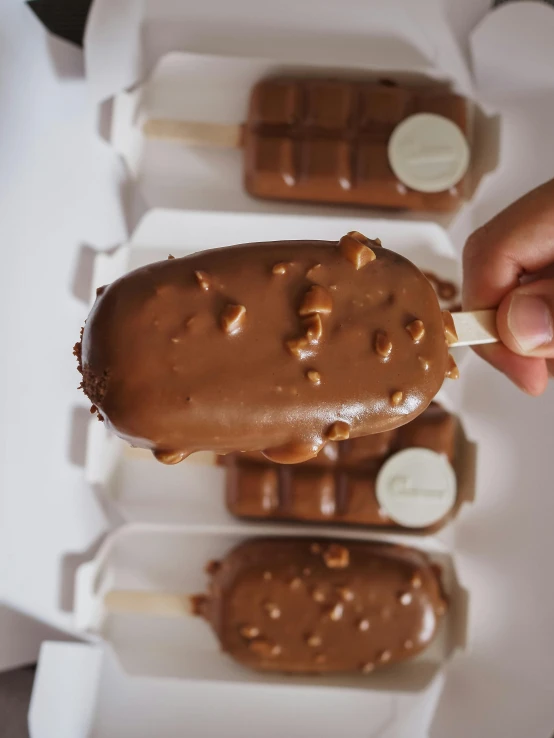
277	347
325	140
316	606
338	485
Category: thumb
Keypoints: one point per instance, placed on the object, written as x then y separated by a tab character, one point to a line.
525	319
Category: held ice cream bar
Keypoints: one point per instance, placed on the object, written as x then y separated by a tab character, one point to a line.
317	606
339	485
346	142
277	347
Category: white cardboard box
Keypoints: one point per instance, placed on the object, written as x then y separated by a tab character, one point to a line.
81	692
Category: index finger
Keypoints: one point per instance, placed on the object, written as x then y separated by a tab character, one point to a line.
518	240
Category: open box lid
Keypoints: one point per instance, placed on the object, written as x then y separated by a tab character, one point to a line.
457	41
81	691
393	35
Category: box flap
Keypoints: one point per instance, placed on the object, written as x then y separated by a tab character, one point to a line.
81	691
64	692
512	49
122	43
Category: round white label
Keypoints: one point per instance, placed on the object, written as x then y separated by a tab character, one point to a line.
428	152
416	487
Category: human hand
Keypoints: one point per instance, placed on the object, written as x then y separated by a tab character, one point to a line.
509	264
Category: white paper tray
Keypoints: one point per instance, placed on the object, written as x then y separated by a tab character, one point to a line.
172	559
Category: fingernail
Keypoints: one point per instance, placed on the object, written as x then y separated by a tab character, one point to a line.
530	322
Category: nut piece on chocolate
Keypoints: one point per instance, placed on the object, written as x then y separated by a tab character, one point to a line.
212	351
274	624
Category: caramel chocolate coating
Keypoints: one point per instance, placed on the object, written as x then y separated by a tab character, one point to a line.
325	140
178	366
320	606
338	485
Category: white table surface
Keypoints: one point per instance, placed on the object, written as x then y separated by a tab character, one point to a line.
58	191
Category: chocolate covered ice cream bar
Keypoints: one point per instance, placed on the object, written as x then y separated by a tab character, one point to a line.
339	484
318	606
330	141
347	142
279	347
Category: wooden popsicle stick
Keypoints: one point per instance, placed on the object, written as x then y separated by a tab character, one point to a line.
140	602
475	328
194	133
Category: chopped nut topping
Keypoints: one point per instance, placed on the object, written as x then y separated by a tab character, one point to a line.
249	632
336	612
363	625
264	648
299	347
385	656
396	398
367	667
315	548
449	328
416	329
232	318
357	236
281	268
312	272
347	595
203	280
318	595
452	371
314	377
272	610
339	431
355	251
295	583
415	581
336	556
212	567
314	641
314	328
383	345
316	300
